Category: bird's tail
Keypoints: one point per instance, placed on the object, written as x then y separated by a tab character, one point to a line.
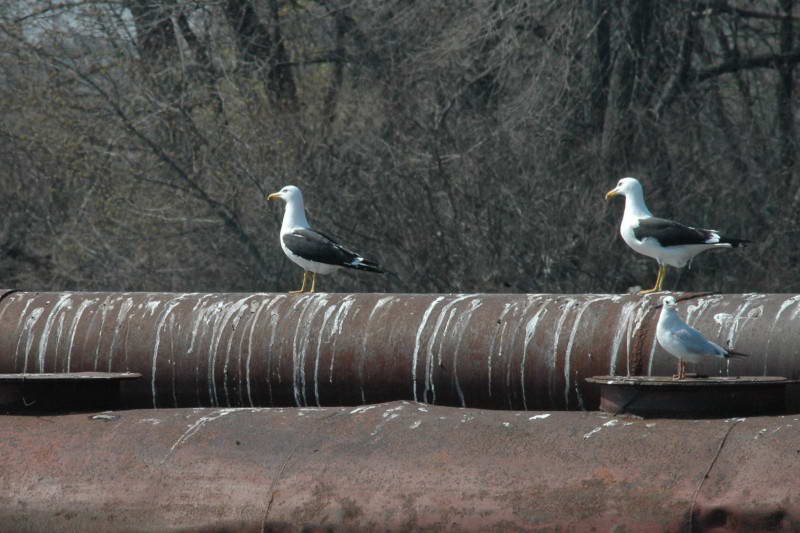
367	265
735	243
736	355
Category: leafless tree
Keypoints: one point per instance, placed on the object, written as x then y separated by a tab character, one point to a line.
464	145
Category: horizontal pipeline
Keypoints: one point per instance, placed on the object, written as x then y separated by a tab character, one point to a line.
395	467
502	351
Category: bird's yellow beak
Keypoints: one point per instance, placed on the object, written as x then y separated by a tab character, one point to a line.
274	196
611	194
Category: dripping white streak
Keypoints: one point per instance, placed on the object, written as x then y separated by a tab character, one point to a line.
151	307
620	331
511	349
217	330
295	374
103	313
59	332
421	327
172	358
652	355
160	325
64	301
568	353
74	327
250	340
461	326
380	303
320	300
784	306
236	319
200	324
122	314
429	361
506	308
8	302
19	323
531	300
328	313
273	324
700	308
553	352
197	320
734	325
30	322
240	353
530	331
641	313
338	322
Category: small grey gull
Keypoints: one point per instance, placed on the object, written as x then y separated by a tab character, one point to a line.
314	251
685	342
666	241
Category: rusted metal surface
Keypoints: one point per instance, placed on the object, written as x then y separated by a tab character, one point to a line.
693	397
80	377
5	292
60	392
475	350
395	467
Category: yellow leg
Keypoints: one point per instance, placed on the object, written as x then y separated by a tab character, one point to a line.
681	370
313	281
303	288
662	273
662	276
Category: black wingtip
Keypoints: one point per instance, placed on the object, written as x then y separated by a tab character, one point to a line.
367	266
736	242
736	355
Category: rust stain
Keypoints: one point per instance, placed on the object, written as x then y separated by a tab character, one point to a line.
394	467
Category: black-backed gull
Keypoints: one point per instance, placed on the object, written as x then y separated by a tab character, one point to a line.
666	241
314	251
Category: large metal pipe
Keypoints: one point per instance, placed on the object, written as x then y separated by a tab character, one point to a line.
395	467
477	350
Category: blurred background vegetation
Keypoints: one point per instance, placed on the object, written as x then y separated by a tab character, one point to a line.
465	145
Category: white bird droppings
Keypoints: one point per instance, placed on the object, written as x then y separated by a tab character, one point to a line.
592	432
362	409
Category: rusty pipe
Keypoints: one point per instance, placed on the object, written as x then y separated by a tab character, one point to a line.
503	351
395	467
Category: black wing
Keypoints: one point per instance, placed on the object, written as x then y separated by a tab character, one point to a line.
671	233
315	246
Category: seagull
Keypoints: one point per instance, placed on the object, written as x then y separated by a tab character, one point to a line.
666	241
685	342
314	251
